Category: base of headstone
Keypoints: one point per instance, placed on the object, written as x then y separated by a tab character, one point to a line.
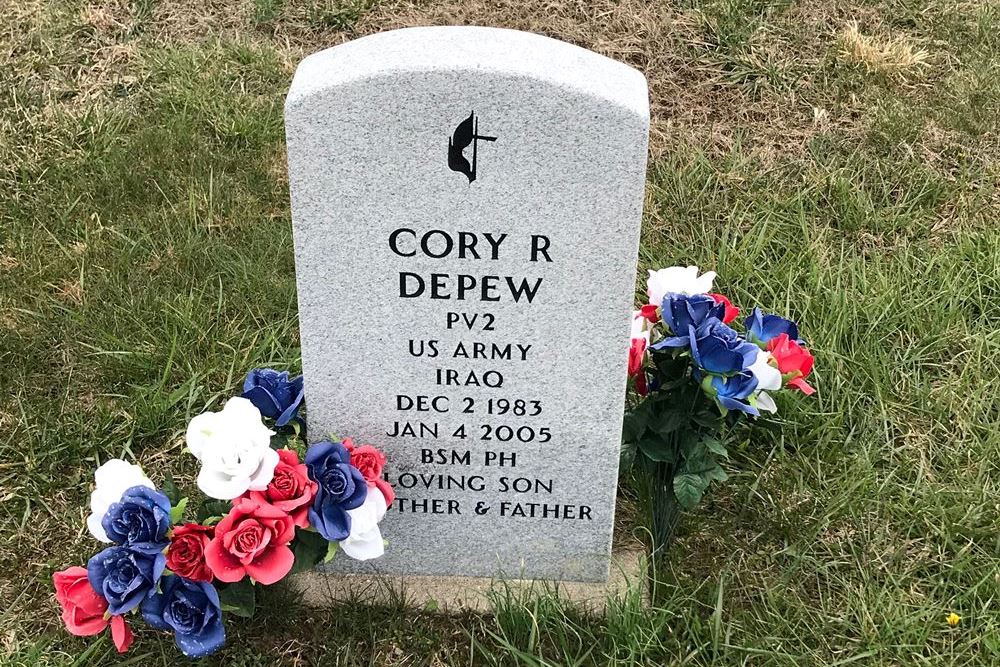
457	594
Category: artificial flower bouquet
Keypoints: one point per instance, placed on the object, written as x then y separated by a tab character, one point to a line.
273	507
691	375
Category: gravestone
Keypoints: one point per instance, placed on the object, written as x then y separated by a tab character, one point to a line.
466	206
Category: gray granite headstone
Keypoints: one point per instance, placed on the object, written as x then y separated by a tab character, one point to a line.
466	206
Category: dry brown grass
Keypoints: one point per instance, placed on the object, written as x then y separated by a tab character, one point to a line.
691	101
880	55
67	59
70	291
694	99
55	69
648	36
12	324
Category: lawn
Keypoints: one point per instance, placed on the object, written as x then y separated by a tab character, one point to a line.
837	160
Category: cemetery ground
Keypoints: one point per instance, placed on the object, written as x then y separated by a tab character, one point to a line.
833	159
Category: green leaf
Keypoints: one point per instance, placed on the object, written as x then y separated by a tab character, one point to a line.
633	426
636	420
672	367
626	456
689	443
299	446
715	446
213	508
331	551
309	548
239	598
658	448
279	441
704	466
694	476
177	511
668	421
698	446
708	417
689	488
170	490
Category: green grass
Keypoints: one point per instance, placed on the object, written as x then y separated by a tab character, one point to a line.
146	264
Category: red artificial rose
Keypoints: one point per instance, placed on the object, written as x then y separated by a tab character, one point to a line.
792	359
252	540
371	461
83	608
290	489
388	493
186	554
650	312
732	312
121	634
636	355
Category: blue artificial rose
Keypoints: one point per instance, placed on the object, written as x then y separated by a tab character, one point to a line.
191	610
762	328
684	314
680	312
274	394
342	487
140	520
732	392
125	577
717	348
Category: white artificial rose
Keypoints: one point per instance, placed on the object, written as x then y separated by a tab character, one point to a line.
113	479
365	541
640	327
768	376
677	280
234	448
765	403
768	379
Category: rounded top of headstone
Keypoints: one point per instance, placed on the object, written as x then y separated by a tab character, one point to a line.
469	48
